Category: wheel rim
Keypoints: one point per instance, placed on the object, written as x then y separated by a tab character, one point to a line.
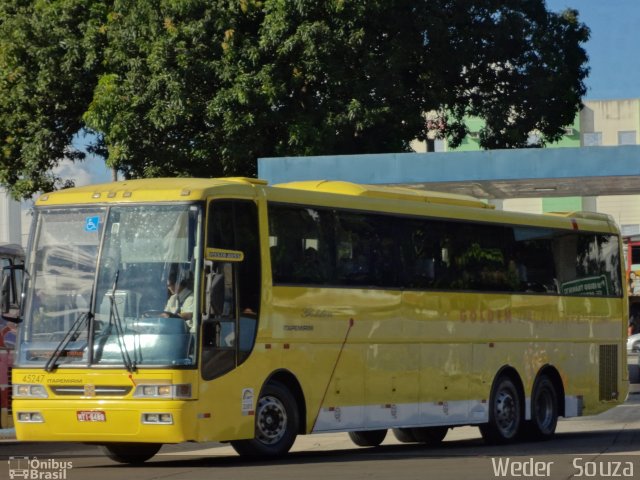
271	420
506	412
545	410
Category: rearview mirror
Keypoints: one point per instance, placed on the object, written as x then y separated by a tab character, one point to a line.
5	294
9	305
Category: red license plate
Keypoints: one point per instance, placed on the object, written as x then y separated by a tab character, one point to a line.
91	416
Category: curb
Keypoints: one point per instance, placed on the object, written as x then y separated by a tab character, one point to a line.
7	435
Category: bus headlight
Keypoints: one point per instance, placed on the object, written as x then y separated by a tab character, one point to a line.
27	390
182	390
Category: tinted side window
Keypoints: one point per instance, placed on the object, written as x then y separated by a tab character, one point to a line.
426	254
481	257
301	245
233	225
534	259
345	248
589	264
366	250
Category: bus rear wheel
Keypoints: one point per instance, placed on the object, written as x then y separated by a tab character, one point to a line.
505	413
404	435
368	438
132	453
431	436
544	410
277	423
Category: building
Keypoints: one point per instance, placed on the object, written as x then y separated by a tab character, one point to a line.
600	123
595	167
10	219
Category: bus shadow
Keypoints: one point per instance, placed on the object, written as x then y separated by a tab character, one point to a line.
604	442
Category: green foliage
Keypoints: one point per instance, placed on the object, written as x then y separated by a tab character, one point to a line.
204	88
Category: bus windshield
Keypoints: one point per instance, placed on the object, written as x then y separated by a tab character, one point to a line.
111	286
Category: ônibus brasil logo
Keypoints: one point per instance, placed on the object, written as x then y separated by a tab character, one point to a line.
35	469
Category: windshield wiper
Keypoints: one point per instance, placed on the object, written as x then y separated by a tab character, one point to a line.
114	320
69	336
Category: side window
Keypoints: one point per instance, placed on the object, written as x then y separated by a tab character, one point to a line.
233	225
424	254
482	257
592	266
534	259
366	250
233	288
301	245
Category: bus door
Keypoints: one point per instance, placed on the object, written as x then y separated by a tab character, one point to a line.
232	286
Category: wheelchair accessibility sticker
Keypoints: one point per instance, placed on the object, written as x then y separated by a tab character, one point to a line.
91	224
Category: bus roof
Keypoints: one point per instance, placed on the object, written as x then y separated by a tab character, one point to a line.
172	189
142	190
391	193
192	189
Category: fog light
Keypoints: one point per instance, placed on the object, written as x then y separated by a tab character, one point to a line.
151	418
157	418
30	417
166	418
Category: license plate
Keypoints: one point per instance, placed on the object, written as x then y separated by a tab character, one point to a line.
91	416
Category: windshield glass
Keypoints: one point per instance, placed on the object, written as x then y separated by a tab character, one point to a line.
112	286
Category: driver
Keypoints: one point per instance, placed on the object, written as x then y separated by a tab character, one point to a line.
180	303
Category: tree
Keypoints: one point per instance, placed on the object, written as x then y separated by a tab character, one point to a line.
204	88
49	55
513	64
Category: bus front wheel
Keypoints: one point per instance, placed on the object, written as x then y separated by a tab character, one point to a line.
505	413
130	452
277	423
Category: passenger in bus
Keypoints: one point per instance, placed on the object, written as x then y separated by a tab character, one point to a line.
634	284
634	319
180	303
309	268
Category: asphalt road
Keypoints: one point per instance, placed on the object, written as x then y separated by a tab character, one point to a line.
606	446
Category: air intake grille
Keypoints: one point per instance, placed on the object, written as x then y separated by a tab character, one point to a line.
608	372
96	391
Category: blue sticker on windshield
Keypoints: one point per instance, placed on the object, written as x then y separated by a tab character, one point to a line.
91	224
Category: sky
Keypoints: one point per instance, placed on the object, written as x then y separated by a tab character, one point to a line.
612	48
614	60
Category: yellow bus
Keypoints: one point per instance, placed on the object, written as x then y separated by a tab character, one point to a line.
169	310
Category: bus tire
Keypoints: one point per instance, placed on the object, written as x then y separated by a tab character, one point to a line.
544	410
368	438
431	436
277	424
133	453
505	413
404	435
